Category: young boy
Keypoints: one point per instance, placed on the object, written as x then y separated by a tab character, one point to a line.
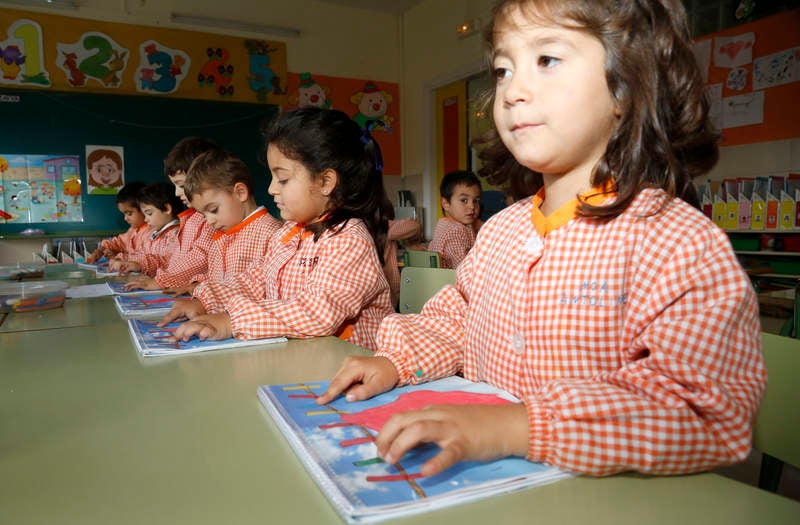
219	186
461	202
159	205
195	235
137	236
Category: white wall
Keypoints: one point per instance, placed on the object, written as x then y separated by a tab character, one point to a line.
758	160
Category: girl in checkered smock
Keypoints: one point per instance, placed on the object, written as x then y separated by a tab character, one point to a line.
609	305
321	274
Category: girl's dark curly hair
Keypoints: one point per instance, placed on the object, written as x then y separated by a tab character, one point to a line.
664	137
322	139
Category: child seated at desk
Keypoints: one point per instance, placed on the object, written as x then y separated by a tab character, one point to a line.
322	272
138	234
160	206
455	232
220	187
195	235
608	304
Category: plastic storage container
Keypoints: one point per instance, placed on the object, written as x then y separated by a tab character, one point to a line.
32	296
17	272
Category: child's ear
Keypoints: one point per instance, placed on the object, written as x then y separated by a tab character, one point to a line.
168	208
328	180
241	192
445	205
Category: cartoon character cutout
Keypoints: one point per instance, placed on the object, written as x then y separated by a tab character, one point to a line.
310	94
22	55
217	73
104	167
94	56
161	69
373	104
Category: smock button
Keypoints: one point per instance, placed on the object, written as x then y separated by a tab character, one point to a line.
518	343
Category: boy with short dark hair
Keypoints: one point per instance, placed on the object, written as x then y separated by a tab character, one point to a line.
195	235
454	235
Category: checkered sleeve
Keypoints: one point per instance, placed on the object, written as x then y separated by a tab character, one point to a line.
122	243
453	241
339	285
690	382
191	259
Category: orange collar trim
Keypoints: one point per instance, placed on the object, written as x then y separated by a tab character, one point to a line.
142	227
300	226
565	213
185	214
260	212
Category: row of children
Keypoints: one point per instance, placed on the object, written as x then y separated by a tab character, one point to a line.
608	304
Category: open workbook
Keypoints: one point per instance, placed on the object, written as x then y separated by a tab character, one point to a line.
101	268
147	305
152	340
118	288
335	444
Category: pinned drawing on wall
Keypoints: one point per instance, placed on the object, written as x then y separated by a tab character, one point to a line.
310	94
776	69
743	110
373	105
40	188
22	55
94	56
737	79
217	72
105	169
734	51
161	69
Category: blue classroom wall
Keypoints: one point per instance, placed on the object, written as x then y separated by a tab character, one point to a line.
53	123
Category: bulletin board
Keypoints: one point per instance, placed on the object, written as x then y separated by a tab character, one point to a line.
753	79
40	122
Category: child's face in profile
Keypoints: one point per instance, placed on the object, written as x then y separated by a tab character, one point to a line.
222	208
465	204
178	178
132	214
299	196
156	218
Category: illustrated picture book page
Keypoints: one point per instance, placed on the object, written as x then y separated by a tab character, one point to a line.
101	268
335	444
148	305
152	340
118	288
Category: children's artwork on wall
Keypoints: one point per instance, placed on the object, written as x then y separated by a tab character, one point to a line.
714	95
105	169
161	69
702	53
366	101
81	55
21	55
743	110
264	78
734	51
94	56
310	94
40	188
776	69
737	79
217	72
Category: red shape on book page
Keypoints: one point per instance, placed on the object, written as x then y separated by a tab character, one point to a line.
375	418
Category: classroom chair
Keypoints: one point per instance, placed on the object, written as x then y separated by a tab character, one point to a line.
418	284
777	426
421	258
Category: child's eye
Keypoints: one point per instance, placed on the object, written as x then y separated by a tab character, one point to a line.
548	61
501	73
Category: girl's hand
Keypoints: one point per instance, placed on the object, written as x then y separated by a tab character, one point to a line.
142	282
129	266
184	309
92	257
361	378
115	265
212	327
463	432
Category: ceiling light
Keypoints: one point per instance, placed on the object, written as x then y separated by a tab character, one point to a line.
222	23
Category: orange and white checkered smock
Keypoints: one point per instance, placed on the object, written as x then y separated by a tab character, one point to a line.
238	247
132	241
334	286
158	250
399	230
634	343
195	238
452	240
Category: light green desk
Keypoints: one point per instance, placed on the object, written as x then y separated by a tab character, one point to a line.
91	434
75	312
